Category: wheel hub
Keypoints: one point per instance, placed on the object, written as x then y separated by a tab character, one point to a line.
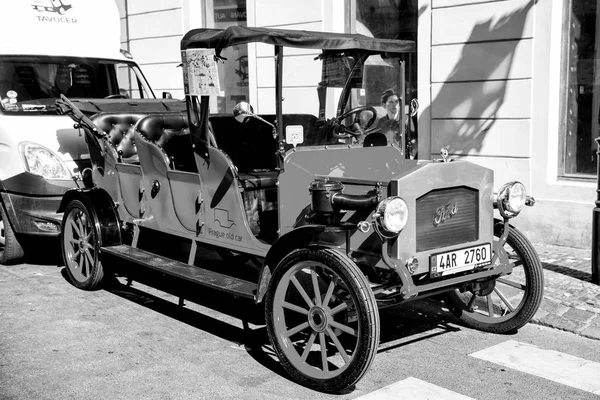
317	319
483	288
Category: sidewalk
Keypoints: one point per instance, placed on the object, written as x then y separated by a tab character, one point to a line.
571	302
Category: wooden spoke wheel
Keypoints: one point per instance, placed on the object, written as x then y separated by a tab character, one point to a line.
508	302
322	319
81	246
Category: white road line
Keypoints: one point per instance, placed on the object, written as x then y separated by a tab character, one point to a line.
414	389
549	364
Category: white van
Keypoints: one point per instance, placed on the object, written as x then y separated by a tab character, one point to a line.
49	48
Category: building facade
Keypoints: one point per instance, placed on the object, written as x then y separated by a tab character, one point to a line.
508	84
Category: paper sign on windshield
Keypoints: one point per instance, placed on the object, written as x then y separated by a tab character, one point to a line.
200	73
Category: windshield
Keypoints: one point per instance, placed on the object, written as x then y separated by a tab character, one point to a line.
32	83
369	90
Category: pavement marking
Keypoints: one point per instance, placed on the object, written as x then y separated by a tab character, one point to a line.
414	389
549	364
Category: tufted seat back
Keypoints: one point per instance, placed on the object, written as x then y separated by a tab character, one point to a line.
120	130
166	137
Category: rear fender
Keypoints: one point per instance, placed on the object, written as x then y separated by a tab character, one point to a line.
100	204
321	235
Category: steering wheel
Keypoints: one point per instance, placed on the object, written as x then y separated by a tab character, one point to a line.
116	96
356	129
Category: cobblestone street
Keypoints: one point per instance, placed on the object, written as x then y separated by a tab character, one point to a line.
571	301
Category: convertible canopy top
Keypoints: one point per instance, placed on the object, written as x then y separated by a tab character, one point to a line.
219	39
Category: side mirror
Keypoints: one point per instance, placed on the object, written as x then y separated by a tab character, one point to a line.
242	111
167	95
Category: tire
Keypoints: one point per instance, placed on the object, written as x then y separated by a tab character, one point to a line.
513	299
11	251
335	310
80	239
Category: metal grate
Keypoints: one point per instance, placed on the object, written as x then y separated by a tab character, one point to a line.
446	217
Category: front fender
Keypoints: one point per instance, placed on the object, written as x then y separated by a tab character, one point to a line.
101	206
322	235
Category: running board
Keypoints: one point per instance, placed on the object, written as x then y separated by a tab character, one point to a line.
181	270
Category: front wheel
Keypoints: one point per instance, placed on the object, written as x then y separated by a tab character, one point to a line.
508	302
81	246
322	319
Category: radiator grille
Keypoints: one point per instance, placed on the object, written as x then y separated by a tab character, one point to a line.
458	227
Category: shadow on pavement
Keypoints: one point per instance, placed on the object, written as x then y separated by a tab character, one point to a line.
400	325
573	273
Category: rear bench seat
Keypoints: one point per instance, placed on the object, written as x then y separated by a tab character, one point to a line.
166	137
120	130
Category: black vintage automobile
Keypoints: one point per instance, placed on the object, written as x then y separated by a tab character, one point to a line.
341	220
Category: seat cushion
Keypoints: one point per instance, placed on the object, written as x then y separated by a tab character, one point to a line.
120	127
258	180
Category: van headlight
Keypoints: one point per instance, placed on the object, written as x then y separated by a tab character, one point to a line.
511	199
391	216
40	160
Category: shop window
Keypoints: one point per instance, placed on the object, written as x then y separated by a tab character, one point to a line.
391	19
581	94
233	71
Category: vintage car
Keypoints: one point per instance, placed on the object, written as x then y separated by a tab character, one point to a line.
340	219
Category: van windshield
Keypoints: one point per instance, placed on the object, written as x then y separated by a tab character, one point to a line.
32	83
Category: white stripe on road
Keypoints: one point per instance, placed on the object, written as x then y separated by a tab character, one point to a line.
549	364
414	389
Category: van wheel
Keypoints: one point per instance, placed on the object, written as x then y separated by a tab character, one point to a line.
11	251
80	239
322	319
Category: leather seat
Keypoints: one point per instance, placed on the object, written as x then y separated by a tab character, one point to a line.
166	137
120	129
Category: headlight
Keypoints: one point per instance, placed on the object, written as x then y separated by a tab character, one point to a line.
391	216
40	160
511	199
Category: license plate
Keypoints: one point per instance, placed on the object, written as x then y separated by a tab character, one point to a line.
460	260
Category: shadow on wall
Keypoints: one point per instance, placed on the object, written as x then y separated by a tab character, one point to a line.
465	108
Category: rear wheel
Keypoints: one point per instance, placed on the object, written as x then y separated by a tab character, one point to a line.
11	251
322	319
81	246
508	302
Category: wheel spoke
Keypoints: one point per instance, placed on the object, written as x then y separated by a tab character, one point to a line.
517	263
329	293
309	345
338	345
511	283
470	304
323	351
294	307
76	254
490	305
81	264
339	308
302	292
343	328
504	299
75	228
297	329
89	257
315	282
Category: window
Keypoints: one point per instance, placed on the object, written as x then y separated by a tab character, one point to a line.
581	94
234	72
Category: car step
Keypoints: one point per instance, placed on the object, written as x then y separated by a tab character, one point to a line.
178	269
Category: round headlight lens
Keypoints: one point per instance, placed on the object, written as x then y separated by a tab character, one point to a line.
393	214
42	161
513	197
